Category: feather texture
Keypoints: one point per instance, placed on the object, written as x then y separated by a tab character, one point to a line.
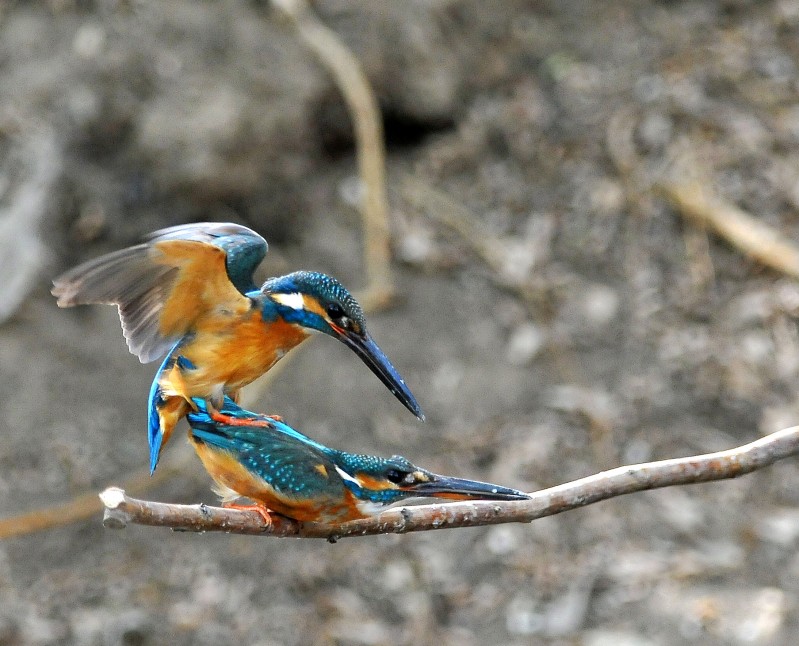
167	286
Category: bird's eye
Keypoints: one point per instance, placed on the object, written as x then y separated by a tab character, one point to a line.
395	476
335	311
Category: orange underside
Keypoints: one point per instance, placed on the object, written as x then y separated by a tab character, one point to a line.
227	358
231	356
229	472
236	352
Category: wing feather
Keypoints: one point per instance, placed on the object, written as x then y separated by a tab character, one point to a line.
167	286
290	466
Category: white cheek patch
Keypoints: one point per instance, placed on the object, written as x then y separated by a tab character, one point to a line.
346	476
295	301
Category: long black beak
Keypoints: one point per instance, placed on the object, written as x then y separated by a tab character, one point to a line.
379	364
458	489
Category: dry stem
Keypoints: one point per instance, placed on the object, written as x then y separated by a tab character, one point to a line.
368	126
751	236
686	186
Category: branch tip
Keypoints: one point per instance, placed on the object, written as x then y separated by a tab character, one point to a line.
112	497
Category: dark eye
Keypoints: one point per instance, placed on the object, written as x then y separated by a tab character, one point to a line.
335	311
395	476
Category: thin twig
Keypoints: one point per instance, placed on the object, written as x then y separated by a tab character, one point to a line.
750	235
84	505
686	186
370	148
122	510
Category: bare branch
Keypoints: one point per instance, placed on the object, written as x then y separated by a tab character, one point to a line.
85	505
122	510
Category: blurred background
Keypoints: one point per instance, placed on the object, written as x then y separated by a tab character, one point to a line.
556	315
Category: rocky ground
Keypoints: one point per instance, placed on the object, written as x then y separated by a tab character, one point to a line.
609	331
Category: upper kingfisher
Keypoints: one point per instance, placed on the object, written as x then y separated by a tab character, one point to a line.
188	293
282	470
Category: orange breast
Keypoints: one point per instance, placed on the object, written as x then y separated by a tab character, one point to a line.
236	352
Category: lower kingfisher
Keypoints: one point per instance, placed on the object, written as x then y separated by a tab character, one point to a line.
188	293
283	471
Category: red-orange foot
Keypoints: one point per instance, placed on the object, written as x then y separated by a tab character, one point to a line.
230	420
260	509
277	418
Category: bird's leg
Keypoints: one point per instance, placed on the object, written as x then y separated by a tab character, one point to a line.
235	396
232	420
259	509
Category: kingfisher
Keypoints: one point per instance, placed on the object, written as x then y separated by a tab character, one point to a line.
283	471
187	293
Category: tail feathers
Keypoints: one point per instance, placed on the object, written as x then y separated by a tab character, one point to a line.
156	441
164	412
253	435
164	416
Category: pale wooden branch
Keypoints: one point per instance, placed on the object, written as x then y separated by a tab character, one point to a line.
122	510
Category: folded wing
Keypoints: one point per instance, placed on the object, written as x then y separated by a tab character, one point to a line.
292	468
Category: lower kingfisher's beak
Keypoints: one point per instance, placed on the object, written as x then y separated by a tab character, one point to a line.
458	489
378	363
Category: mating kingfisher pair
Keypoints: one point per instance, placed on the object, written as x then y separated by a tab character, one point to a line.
188	293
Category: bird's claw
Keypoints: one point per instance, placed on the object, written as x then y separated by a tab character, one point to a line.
262	511
231	420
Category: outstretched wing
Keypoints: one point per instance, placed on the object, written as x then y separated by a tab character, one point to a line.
168	284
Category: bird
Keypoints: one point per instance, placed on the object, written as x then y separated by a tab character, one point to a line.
283	471
188	294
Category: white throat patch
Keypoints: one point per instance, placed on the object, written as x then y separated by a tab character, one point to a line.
369	508
295	301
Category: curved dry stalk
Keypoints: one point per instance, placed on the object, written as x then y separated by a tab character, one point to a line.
751	236
122	510
687	187
370	147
